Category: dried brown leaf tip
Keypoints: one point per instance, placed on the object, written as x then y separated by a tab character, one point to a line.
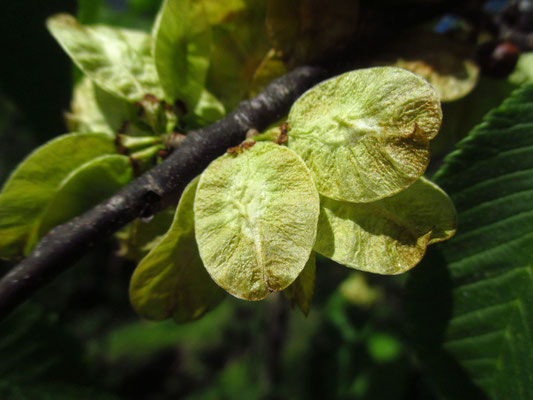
283	136
242	147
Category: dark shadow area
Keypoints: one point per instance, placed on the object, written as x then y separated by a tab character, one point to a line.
39	81
428	308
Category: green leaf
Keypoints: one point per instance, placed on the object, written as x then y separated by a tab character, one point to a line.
35	182
155	115
256	212
271	67
139	237
388	236
218	11
240	43
118	60
89	10
182	46
365	134
486	271
207	110
523	72
171	280
95	110
461	116
85	187
300	292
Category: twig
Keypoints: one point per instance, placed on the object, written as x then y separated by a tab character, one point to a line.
152	191
162	185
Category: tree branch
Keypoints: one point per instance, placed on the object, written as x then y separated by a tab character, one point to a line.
162	185
152	191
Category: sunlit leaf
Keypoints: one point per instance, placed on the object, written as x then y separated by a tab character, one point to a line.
86	115
207	110
35	182
302	30
300	292
365	134
118	60
219	11
85	187
256	212
388	236
182	45
95	110
155	115
446	64
171	280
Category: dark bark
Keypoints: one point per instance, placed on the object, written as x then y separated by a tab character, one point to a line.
152	191
163	184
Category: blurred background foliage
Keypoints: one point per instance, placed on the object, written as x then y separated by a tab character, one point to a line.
93	346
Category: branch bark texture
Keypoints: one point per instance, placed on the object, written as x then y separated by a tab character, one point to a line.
162	185
154	190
